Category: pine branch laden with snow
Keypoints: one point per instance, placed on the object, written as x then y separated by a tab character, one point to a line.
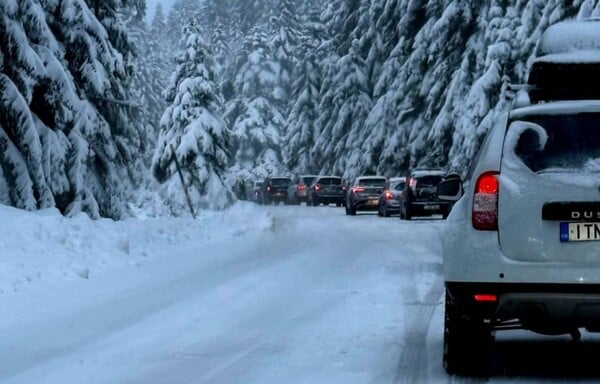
60	147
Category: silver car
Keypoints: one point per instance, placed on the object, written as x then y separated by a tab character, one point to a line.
390	198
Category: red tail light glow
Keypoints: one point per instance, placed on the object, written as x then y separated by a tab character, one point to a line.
389	195
358	190
412	182
301	187
486	298
317	187
268	188
485	202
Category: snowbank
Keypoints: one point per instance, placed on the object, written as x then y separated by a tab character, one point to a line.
43	246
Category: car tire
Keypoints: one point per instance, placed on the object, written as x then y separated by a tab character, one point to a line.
352	210
380	211
315	203
386	213
338	204
467	342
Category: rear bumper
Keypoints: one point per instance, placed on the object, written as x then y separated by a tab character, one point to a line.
366	203
542	308
331	198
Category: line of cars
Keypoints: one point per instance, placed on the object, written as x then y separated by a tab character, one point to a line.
408	196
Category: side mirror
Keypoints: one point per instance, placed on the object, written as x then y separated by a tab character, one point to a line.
450	190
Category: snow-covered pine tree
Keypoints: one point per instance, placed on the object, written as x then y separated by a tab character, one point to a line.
254	115
192	131
180	15
304	101
66	143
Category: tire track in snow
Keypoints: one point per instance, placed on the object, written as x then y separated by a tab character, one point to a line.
413	362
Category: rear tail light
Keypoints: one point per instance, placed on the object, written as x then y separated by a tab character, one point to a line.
357	190
317	187
485	202
412	182
302	187
268	188
389	196
489	298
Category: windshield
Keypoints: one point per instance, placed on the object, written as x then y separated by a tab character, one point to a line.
558	143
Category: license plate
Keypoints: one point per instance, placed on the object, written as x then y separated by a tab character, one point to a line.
579	232
432	207
373	202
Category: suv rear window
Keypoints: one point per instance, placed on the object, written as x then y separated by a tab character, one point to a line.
330	181
559	143
280	181
428	181
372	182
308	180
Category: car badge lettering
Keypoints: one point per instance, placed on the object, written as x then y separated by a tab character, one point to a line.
575	215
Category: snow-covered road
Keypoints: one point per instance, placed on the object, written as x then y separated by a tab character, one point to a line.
312	297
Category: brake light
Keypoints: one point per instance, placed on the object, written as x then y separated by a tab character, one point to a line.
485	202
268	188
356	190
389	195
317	187
486	298
412	182
301	187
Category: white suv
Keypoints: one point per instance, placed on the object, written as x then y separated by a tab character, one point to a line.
522	247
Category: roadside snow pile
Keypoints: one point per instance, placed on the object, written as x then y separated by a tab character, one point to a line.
44	246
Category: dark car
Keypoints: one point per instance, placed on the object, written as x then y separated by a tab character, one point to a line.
390	198
363	194
326	190
420	195
297	191
274	190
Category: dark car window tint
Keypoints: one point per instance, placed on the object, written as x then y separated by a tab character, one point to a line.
573	141
330	181
372	182
428	181
280	181
308	180
399	186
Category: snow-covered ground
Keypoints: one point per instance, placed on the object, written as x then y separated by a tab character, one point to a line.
250	295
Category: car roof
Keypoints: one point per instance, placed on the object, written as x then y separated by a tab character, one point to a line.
570	40
556	108
371	177
396	179
323	176
427	172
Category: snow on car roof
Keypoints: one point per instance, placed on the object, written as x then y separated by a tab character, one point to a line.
371	177
399	178
557	108
577	37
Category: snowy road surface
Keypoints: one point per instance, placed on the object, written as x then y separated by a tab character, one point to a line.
313	297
